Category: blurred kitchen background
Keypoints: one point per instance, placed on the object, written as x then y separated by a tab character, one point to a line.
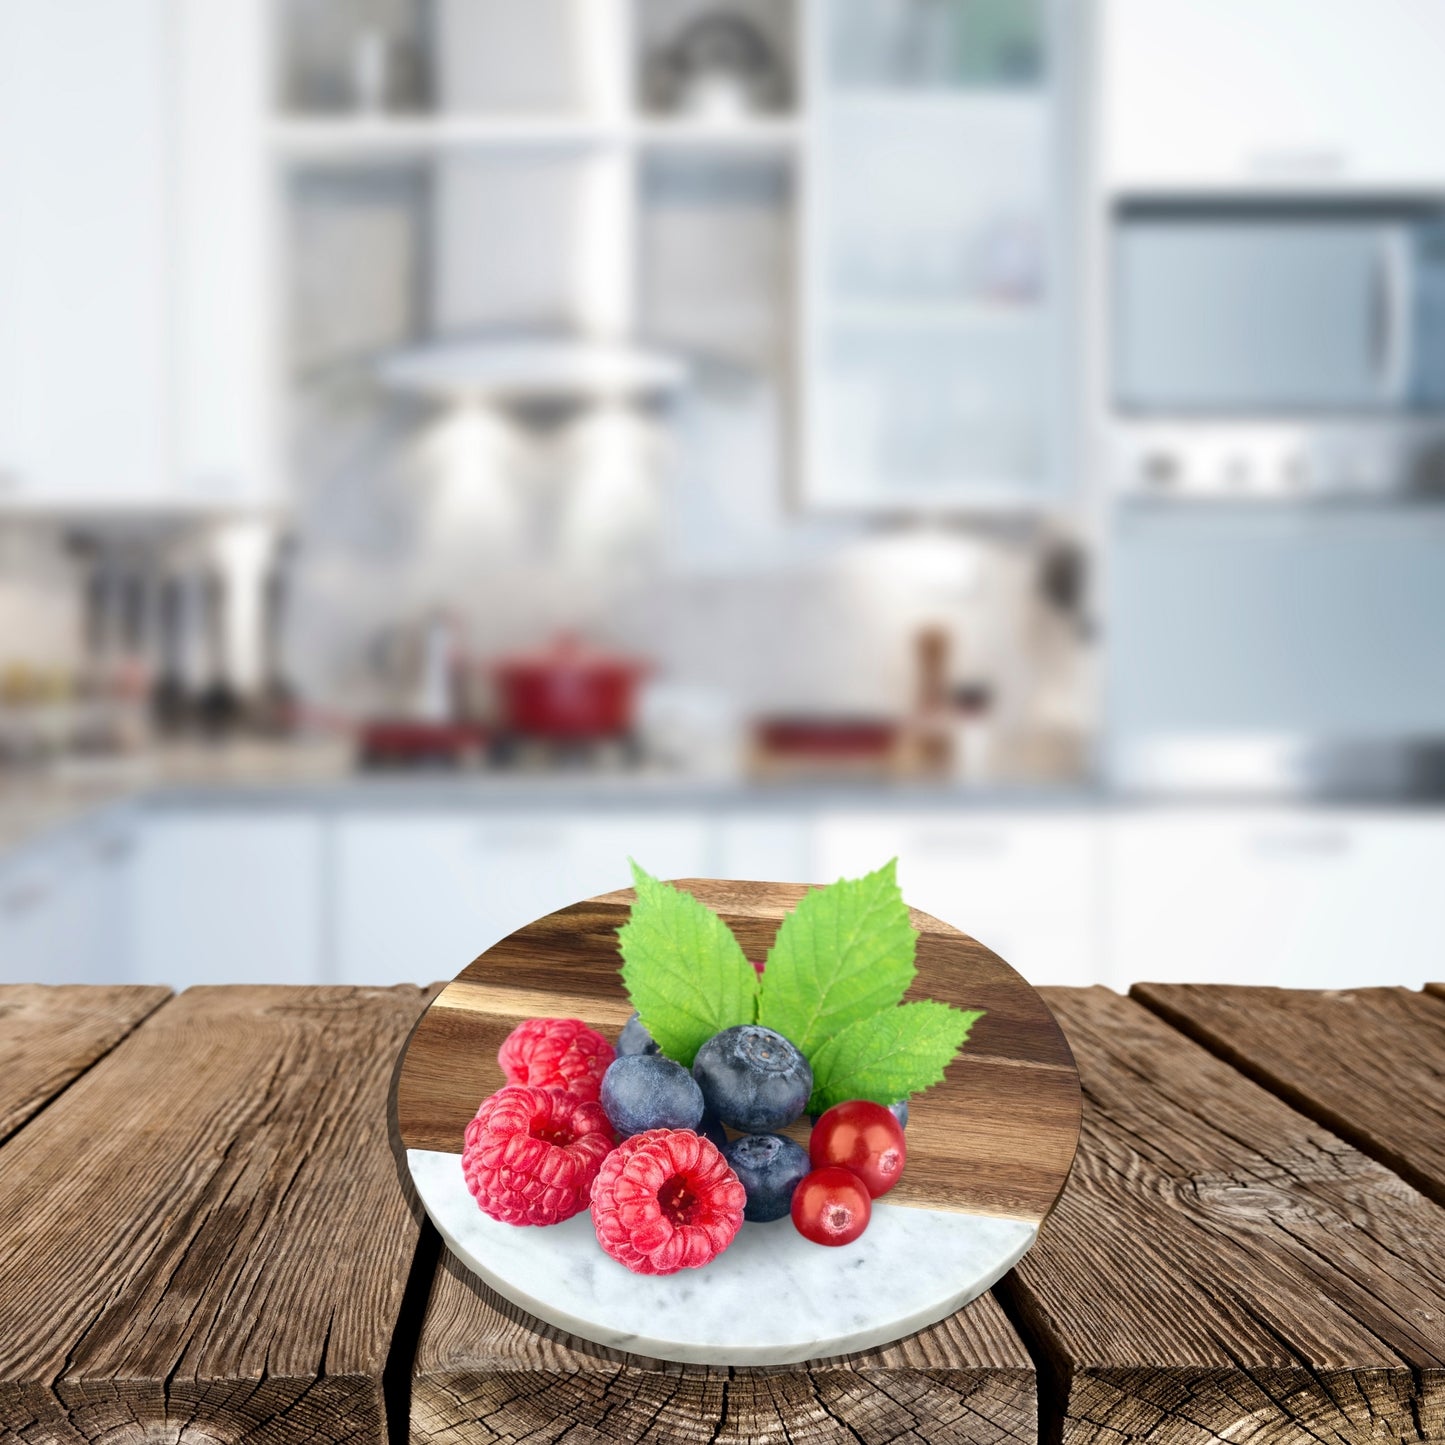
447	446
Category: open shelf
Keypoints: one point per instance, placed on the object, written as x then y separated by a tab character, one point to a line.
854	251
380	138
761	133
982	105
361	139
923	315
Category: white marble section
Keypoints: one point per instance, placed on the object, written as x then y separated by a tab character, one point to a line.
771	1298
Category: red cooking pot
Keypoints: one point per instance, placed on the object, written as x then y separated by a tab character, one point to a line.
568	692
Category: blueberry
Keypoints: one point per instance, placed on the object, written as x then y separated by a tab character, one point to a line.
753	1079
769	1168
648	1091
898	1110
634	1039
710	1128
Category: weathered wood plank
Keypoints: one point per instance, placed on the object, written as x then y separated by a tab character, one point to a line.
1367	1063
1222	1268
52	1033
487	1372
207	1237
1015	1083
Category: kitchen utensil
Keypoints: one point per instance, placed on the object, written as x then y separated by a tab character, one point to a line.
822	745
721	66
412	742
568	691
930	736
218	708
275	706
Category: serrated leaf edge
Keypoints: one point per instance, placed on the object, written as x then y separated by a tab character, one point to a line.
895	896
836	1092
644	883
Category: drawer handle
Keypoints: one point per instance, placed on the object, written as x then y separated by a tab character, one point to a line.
1313	843
26	898
974	845
116	849
531	839
1301	161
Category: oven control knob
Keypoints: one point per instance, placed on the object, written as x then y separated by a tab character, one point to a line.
1236	474
1160	471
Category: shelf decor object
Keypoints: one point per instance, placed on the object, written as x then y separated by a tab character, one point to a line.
989	1150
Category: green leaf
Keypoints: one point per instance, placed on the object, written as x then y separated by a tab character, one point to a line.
684	971
845	952
897	1052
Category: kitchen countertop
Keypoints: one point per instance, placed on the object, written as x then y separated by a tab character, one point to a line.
35	805
321	775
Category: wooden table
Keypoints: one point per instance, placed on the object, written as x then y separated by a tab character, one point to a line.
204	1238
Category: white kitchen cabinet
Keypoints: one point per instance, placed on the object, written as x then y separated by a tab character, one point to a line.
935	276
763	847
417	897
29	918
1027	885
133	254
65	906
91	940
1305	898
83	354
1269	93
224	896
225	312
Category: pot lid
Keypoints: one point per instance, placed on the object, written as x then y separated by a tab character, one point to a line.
568	651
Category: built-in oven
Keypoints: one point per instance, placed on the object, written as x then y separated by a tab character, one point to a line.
1277	347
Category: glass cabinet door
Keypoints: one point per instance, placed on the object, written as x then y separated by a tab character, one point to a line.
933	286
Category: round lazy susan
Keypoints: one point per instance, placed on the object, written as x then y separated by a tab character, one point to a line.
989	1150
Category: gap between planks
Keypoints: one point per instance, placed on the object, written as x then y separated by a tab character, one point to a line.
1262	1275
1384	1091
52	1035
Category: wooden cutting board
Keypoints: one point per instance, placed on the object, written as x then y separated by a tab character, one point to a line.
991	1145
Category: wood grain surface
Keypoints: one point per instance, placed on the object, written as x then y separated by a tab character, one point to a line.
487	1372
51	1034
1222	1268
996	1137
1384	1085
206	1238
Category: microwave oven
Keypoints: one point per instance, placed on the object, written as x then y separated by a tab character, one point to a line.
1277	347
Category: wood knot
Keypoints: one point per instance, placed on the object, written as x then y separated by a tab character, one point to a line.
1256	1201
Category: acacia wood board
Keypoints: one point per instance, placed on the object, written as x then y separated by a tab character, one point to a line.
997	1137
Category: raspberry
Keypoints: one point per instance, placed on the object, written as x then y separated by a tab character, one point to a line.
666	1200
556	1054
530	1155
